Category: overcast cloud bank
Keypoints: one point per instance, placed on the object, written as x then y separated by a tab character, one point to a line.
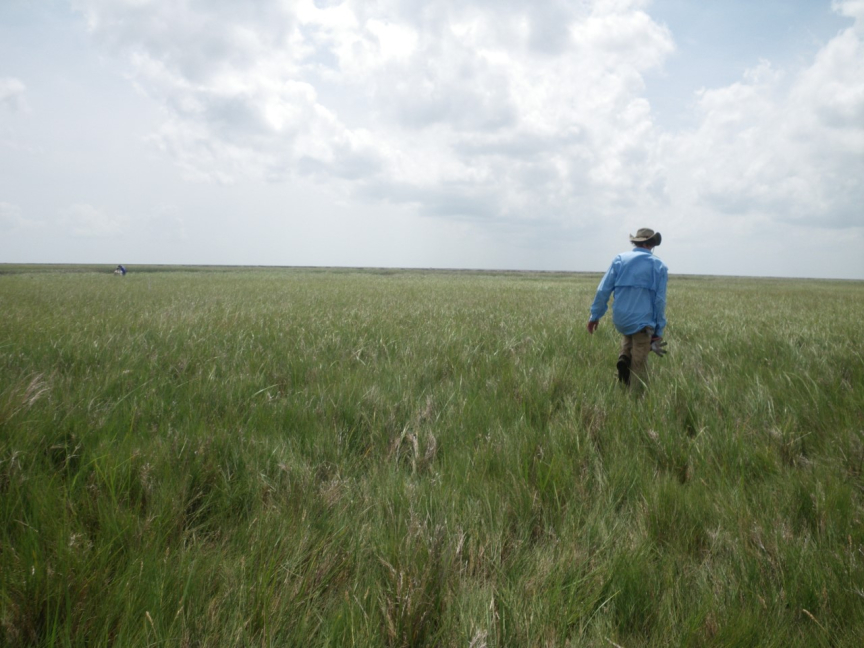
519	115
491	109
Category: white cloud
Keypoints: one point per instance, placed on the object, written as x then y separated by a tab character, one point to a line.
783	148
433	103
12	219
87	221
852	9
12	93
489	110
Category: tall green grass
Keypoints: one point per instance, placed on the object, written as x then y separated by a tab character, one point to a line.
331	458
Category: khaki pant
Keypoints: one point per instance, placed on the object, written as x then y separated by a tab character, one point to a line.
637	347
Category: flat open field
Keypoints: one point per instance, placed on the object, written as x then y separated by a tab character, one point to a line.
299	457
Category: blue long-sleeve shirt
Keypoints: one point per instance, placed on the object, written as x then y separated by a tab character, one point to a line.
638	280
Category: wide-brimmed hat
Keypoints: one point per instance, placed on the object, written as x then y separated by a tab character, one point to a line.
646	235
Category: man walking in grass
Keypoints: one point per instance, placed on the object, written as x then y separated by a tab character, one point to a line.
638	280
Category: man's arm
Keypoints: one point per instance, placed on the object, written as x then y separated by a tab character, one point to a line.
660	302
601	298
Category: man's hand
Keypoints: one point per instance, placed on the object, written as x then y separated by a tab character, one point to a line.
592	326
658	346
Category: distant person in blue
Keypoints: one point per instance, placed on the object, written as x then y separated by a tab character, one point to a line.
120	270
638	281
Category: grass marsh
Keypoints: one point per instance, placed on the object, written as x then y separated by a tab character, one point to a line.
309	457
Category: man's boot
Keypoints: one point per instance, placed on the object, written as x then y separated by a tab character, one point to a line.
623	367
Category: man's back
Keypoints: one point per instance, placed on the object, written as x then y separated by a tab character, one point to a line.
638	280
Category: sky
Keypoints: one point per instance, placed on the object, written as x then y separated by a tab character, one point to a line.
481	134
